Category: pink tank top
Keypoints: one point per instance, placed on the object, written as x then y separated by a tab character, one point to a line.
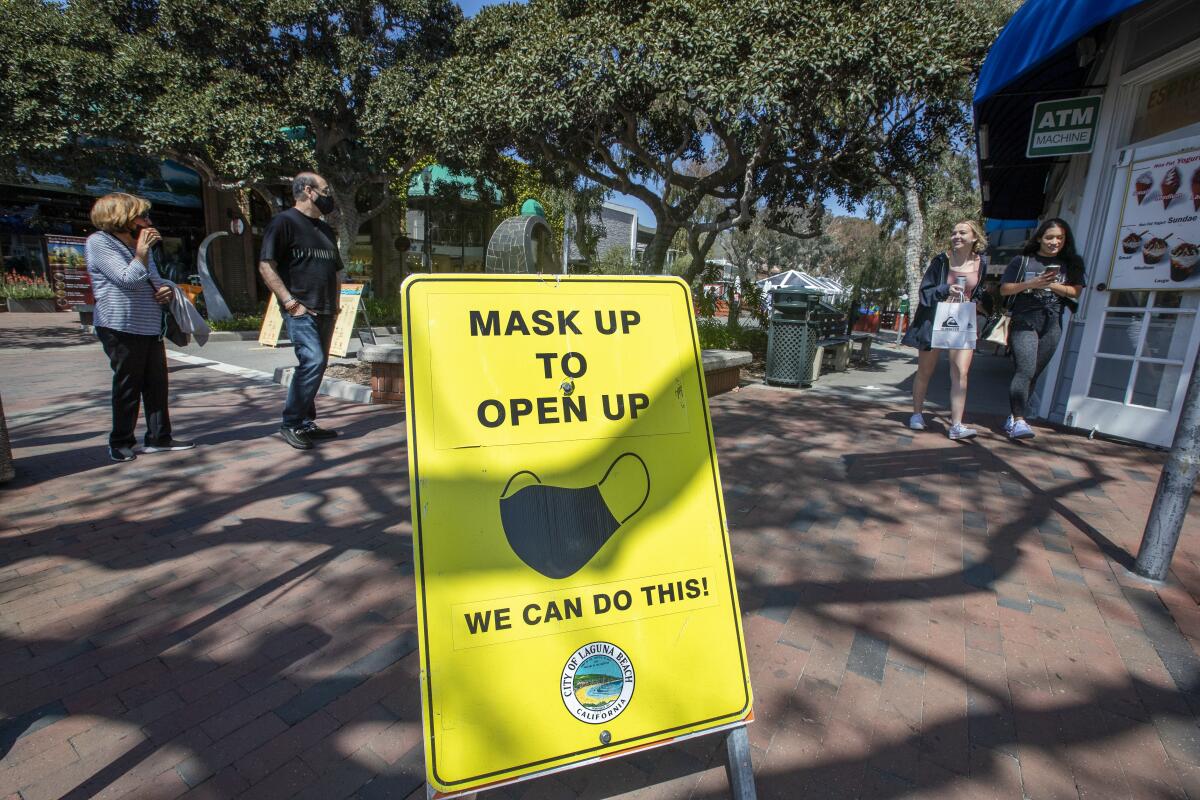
972	278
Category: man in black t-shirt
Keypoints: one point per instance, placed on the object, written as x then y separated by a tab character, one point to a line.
300	264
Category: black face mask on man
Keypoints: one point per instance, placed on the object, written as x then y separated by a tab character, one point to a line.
325	203
557	530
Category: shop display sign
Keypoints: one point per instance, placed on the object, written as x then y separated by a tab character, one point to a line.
272	326
343	327
575	589
68	271
1063	127
1158	241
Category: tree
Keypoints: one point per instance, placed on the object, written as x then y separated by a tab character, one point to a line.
766	107
924	211
904	187
248	92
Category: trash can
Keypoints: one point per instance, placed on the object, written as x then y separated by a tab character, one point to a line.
792	336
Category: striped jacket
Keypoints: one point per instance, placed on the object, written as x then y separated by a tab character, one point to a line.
124	297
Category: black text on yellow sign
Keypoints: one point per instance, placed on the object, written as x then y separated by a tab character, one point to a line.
565	407
502	620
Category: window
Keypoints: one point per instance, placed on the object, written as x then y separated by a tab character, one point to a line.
1143	344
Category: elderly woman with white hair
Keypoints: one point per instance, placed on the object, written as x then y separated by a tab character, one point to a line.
130	296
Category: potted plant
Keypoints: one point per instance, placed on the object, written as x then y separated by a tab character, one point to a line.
26	293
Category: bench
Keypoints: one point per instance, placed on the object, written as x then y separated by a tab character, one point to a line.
723	369
863	341
387	372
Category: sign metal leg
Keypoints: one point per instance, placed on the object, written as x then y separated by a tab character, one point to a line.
738	766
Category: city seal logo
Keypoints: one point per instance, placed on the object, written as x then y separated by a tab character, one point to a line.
597	682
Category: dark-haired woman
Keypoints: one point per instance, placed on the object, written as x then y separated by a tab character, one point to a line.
1046	278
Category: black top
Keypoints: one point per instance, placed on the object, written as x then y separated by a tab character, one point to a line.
1030	300
306	257
935	287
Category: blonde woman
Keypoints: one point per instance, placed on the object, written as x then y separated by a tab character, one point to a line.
130	295
953	276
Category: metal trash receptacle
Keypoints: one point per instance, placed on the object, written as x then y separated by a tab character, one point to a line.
792	336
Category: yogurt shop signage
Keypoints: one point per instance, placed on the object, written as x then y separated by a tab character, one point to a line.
1158	243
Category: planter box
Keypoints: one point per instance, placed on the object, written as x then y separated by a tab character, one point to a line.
30	306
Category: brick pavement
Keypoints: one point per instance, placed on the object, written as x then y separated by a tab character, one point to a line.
923	618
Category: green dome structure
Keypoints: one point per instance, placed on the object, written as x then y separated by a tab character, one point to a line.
532	208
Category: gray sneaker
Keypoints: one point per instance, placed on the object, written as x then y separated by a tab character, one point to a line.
1021	430
1008	425
121	453
961	431
917	422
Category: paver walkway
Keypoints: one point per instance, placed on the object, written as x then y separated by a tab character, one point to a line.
924	618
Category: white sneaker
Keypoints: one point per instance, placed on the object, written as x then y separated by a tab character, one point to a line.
961	431
917	422
1008	424
1021	430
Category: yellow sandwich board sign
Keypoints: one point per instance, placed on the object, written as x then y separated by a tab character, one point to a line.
343	326
272	325
575	587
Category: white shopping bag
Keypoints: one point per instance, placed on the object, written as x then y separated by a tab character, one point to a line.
954	326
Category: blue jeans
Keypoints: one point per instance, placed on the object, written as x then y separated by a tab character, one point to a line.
310	335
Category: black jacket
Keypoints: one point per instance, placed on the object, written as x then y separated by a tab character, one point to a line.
935	287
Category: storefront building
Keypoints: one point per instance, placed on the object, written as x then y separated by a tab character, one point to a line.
1090	111
184	210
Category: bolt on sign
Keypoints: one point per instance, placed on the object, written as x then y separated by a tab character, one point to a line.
575	588
1063	127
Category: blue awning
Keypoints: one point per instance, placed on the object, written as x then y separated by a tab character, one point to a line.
1036	33
1034	58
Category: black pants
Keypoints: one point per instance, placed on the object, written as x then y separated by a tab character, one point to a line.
1033	337
139	365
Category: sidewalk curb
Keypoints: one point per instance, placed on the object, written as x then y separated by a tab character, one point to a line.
252	336
330	387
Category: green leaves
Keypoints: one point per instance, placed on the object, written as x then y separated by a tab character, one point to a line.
756	104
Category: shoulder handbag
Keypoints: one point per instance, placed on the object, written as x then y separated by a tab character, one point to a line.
995	330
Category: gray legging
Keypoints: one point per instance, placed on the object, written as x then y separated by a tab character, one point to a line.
1033	337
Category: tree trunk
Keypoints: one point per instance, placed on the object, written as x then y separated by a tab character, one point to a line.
655	257
914	237
346	221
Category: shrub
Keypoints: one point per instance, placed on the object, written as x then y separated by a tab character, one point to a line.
25	287
717	334
240	322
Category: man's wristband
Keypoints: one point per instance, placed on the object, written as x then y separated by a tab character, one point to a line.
287	304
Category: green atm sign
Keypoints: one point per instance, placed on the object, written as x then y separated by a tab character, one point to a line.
1063	127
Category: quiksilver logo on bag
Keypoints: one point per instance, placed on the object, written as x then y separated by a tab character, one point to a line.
950	322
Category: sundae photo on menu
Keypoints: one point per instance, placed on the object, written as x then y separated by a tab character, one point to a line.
1133	242
1154	250
1183	260
1170	186
1142	185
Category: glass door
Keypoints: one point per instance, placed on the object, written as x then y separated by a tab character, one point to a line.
1145	347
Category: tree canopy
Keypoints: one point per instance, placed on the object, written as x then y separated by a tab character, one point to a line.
246	91
780	104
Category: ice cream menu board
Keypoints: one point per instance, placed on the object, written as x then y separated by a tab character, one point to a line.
1159	237
72	286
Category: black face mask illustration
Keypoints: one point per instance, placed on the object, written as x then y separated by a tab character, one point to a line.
557	530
